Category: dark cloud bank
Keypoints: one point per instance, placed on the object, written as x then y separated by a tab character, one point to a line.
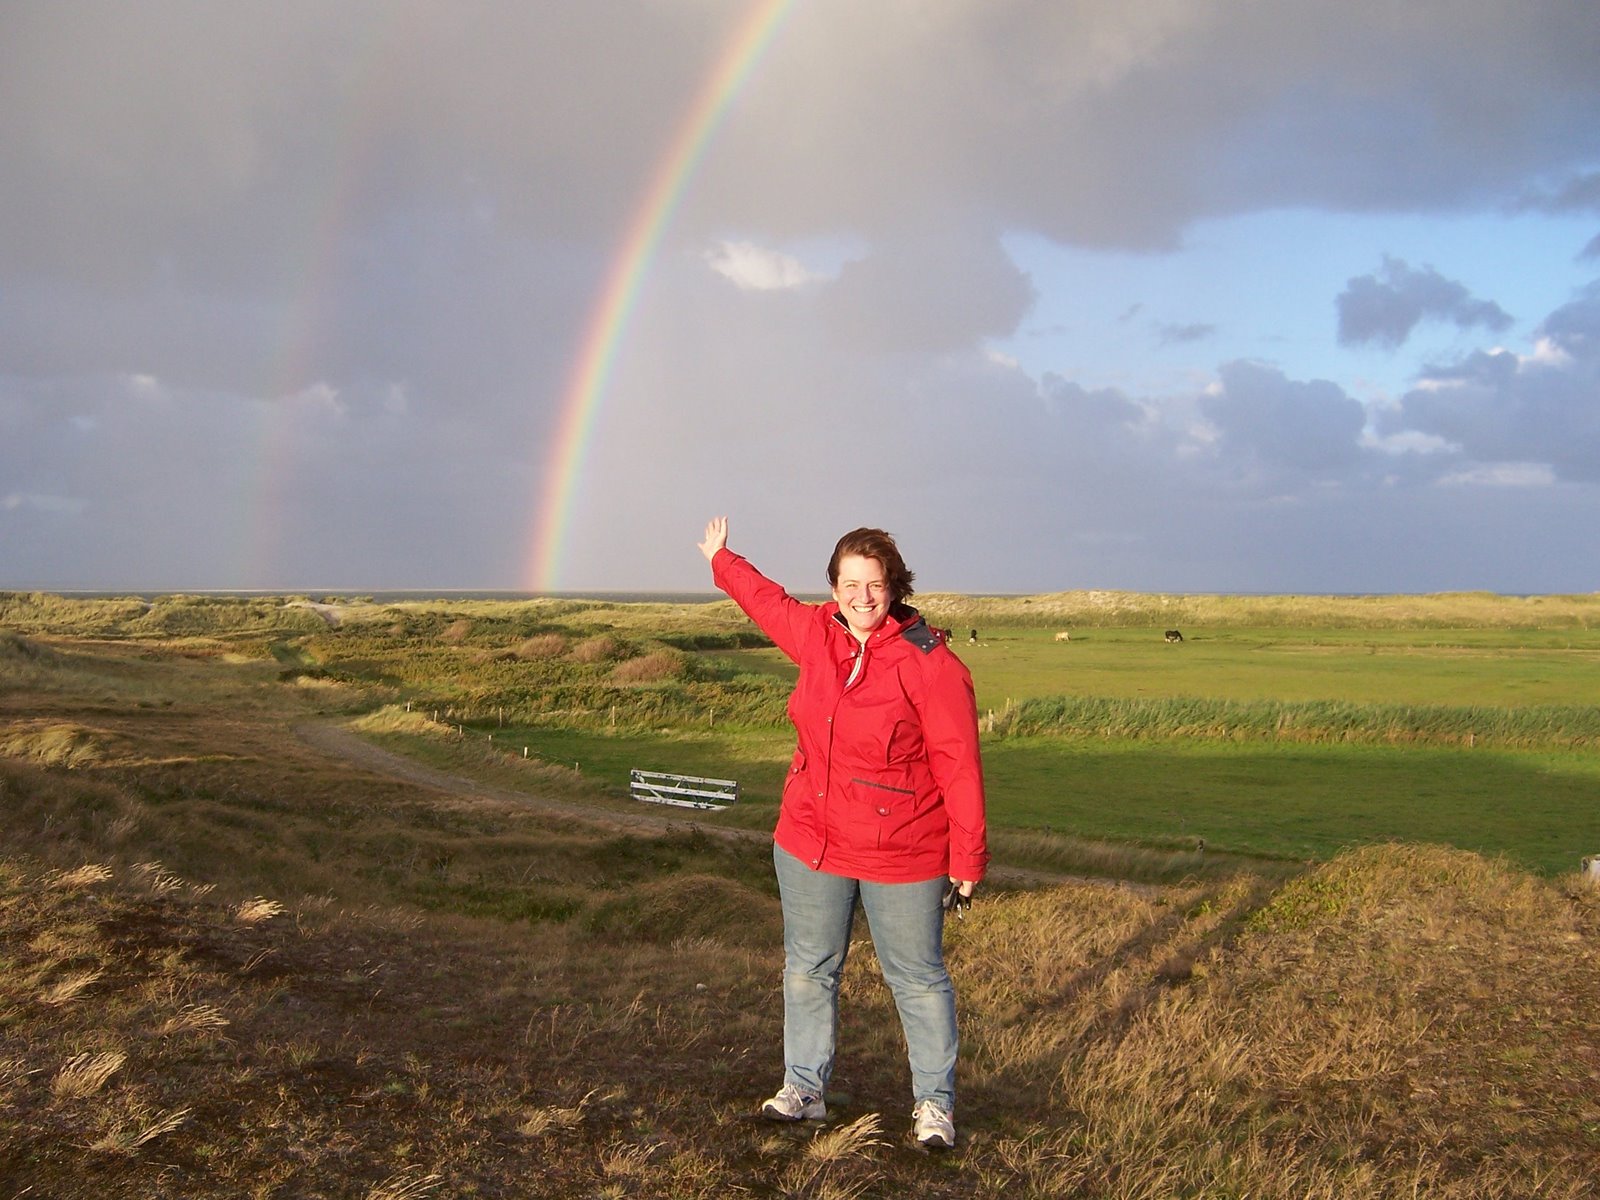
289	293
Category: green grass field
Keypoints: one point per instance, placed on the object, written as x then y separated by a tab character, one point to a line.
1444	735
1468	720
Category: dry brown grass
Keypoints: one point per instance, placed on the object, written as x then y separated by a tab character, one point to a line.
53	745
1399	1019
85	1074
654	667
463	997
456	632
68	988
411	1183
396	718
129	1130
256	910
598	649
543	647
84	876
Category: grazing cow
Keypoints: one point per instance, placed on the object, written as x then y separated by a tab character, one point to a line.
973	637
944	635
1172	635
1064	636
1591	868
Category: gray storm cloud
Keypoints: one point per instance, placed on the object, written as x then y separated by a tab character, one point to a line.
1499	407
1386	306
212	215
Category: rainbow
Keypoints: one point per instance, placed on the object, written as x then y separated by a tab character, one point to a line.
608	320
268	480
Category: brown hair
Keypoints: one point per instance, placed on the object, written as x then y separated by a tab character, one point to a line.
874	543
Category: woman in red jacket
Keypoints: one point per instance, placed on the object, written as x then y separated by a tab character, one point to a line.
883	801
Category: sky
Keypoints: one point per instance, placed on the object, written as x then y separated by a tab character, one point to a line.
1167	295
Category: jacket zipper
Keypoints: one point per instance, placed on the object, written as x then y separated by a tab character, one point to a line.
885	787
855	667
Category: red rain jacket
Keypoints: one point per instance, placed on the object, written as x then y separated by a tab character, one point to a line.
886	784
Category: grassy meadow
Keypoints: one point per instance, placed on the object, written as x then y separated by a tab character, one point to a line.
322	897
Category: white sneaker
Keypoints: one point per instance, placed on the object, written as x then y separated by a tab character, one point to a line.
792	1104
933	1126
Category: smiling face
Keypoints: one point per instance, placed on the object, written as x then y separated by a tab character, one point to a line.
862	593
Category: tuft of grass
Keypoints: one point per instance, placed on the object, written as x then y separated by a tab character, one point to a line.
57	745
598	649
628	1160
256	910
69	988
848	1141
395	718
555	1118
86	1074
193	1018
822	1172
80	877
657	666
544	647
136	1127
157	878
412	1183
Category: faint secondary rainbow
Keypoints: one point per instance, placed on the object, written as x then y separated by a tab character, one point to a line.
269	479
608	320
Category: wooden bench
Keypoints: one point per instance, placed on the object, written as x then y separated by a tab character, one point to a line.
685	791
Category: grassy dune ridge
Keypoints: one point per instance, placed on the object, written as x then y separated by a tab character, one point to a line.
1398	1023
1567	726
1112	609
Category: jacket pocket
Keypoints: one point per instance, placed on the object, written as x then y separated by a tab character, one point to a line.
796	790
880	811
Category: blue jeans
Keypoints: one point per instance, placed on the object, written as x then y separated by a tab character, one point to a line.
907	923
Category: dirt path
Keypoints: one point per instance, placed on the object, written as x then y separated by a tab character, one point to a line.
339	742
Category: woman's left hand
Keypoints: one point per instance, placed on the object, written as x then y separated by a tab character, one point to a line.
964	886
716	537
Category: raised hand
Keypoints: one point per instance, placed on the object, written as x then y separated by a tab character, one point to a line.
716	537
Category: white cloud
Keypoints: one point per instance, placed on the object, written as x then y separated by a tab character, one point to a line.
319	397
1502	475
1547	353
1409	441
69	505
757	268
